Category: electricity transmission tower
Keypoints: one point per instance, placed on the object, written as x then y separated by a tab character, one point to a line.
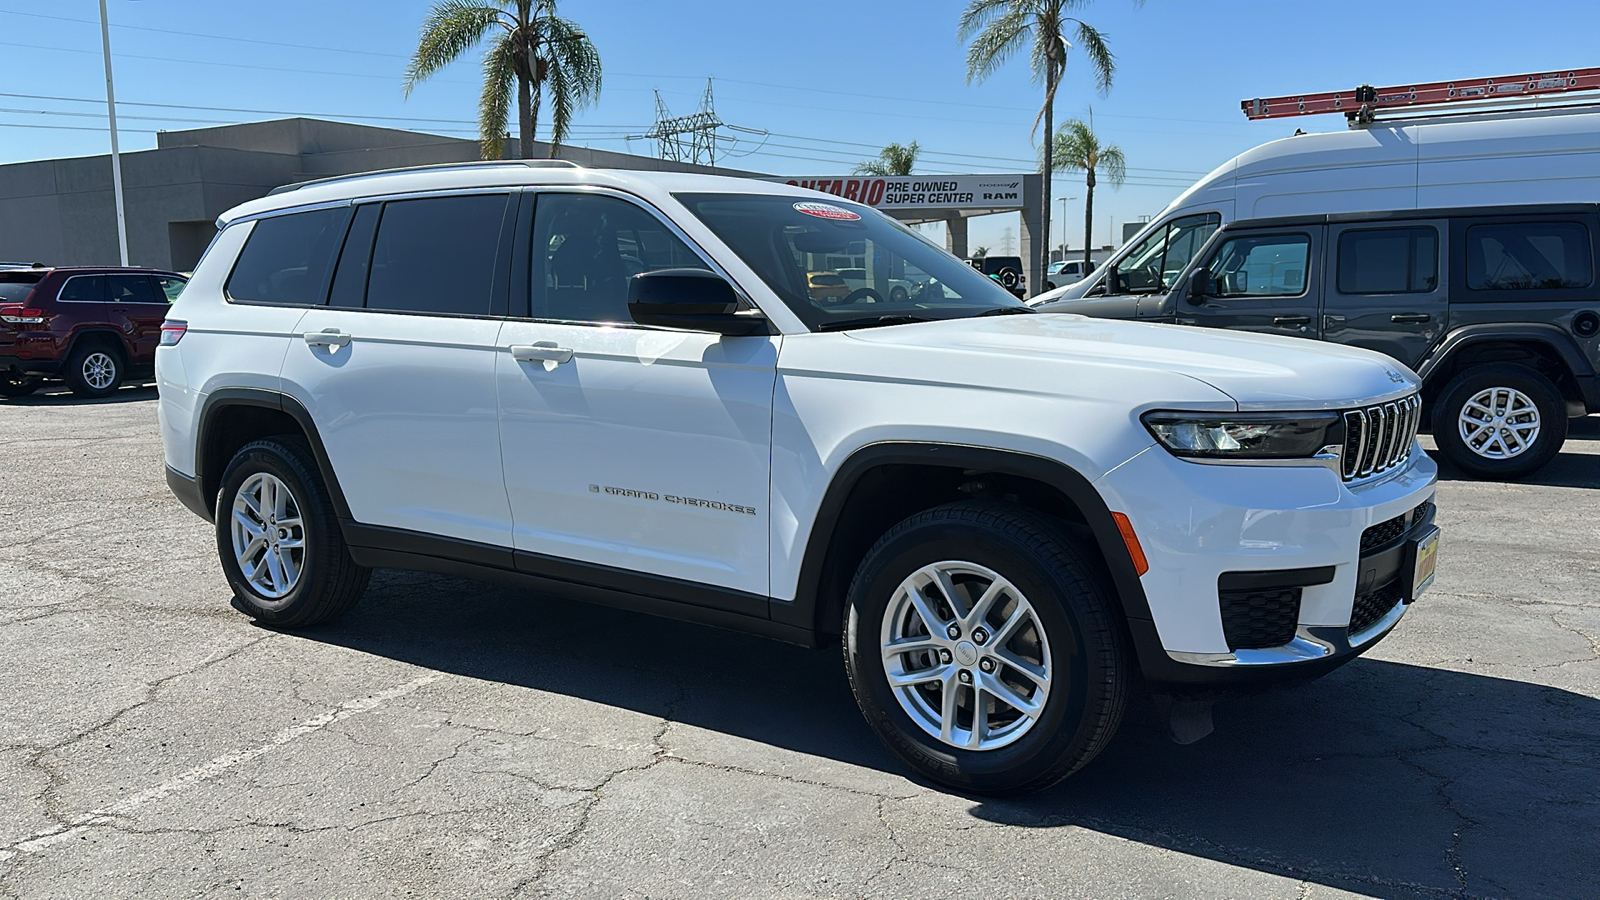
688	139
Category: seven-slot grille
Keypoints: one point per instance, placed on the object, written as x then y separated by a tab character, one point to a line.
1380	437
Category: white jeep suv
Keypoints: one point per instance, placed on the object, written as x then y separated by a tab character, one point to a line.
615	387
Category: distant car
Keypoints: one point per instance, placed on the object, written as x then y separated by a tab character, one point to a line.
92	327
1006	269
899	290
827	287
1067	272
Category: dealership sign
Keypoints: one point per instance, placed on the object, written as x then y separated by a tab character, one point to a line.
921	191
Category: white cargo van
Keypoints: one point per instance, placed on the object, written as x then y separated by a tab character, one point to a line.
1507	158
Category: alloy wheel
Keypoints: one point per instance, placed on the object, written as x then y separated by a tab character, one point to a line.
268	536
966	655
1499	423
99	370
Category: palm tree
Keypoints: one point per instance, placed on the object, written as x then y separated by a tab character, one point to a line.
895	159
535	48
999	28
1078	148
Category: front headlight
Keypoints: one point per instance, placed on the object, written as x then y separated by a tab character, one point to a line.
1247	435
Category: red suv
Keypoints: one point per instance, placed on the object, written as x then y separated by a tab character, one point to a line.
92	327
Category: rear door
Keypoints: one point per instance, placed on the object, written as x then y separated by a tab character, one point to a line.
138	309
398	369
1264	281
1385	288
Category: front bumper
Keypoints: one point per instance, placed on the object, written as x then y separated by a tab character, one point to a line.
1211	531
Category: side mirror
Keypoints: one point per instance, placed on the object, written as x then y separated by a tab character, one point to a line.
1198	285
1113	281
694	299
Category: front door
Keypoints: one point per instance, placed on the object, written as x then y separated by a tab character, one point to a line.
398	372
1263	281
643	451
1385	288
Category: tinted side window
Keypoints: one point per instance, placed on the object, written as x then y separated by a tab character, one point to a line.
1390	261
131	289
350	278
1261	266
1524	256
170	285
286	259
585	248
84	289
437	255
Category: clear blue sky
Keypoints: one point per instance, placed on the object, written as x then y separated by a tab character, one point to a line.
830	79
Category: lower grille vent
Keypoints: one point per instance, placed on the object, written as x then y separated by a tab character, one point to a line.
1258	619
1369	608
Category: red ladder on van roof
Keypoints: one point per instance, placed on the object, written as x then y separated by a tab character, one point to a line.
1365	100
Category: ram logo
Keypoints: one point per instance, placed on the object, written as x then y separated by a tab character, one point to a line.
1008	195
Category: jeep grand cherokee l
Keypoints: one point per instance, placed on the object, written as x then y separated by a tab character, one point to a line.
621	390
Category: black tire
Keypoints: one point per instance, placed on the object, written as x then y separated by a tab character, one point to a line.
1009	277
1071	595
329	581
864	294
15	385
95	369
898	295
1452	402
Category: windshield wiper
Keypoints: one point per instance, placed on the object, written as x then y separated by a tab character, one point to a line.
1007	311
874	322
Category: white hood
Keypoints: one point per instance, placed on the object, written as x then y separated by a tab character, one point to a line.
1258	371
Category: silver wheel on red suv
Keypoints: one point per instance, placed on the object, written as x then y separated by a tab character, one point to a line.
94	370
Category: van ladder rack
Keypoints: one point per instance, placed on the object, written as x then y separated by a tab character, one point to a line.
435	167
1360	104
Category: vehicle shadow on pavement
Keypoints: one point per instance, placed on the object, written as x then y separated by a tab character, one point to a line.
1576	466
58	395
1388	779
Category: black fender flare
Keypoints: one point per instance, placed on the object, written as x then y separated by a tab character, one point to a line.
225	398
1551	336
117	337
807	605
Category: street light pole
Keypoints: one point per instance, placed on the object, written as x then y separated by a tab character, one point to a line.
116	156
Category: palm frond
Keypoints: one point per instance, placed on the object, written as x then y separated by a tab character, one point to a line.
1113	166
1093	45
452	28
978	15
895	159
573	67
494	106
1002	37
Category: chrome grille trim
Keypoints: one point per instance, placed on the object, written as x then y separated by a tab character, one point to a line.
1379	437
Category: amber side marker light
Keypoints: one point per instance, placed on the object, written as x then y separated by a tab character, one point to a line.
1140	564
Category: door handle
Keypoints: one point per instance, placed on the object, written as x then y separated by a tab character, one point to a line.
541	351
1291	320
331	337
1410	318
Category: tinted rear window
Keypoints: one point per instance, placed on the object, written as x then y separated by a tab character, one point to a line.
1524	256
437	255
1388	261
286	259
15	286
83	289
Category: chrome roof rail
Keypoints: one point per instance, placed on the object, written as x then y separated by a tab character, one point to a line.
435	167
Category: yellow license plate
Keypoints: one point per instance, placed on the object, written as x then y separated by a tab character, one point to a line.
1427	560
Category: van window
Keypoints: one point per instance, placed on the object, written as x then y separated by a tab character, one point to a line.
1158	260
437	255
286	259
1522	256
585	248
1272	265
1389	261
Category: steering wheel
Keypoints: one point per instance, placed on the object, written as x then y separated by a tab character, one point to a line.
867	294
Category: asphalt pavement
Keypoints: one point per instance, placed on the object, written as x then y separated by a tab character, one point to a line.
456	739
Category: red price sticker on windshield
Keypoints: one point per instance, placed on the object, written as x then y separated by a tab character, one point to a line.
826	211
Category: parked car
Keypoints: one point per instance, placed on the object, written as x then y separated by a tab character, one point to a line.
827	287
92	327
1011	520
1007	270
1063	272
898	290
1497	309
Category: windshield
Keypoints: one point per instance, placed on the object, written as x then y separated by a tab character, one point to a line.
1155	264
839	264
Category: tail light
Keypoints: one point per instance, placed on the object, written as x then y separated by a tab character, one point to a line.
172	332
21	315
